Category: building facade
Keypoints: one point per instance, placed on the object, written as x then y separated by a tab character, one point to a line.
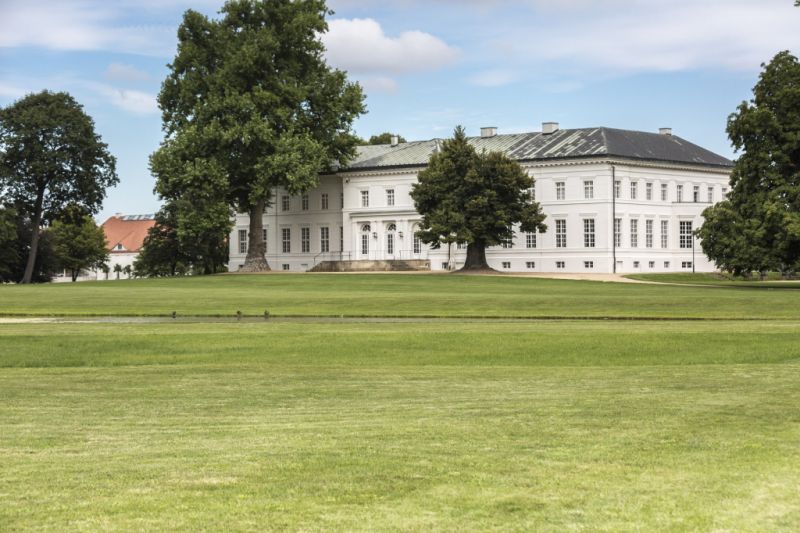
615	200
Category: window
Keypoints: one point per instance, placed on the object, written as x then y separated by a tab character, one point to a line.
648	191
304	202
264	238
664	192
685	227
588	190
390	238
445	266
390	197
364	198
324	239
530	264
588	233
286	238
508	241
560	265
561	233
560	190
666	264
588	264
285	266
680	194
417	244
323	201
634	189
532	193
710	194
242	241
634	233
341	200
530	240
305	240
365	229
648	233
461	246
665	233
341	238
617	232
284	203
506	264
724	192
696	194
617	189
636	264
651	264
686	264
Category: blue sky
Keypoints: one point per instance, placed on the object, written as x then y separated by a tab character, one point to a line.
426	66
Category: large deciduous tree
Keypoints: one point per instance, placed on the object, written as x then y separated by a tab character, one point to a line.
385	138
475	198
50	157
757	228
78	243
250	105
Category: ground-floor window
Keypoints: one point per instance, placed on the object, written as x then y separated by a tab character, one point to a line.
685	228
588	232
324	239
530	240
665	233
305	240
390	243
242	241
286	237
417	244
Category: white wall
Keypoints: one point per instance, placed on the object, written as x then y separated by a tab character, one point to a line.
574	208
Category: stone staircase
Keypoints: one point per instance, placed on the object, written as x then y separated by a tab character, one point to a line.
395	265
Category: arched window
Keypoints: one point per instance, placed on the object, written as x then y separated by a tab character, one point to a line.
365	228
391	227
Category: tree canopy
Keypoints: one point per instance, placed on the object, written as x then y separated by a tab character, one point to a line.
757	228
385	138
51	157
78	243
474	198
250	105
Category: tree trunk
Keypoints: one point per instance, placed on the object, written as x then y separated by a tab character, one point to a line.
37	220
74	274
256	247
476	257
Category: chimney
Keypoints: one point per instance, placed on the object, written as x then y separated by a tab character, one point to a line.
488	131
665	131
395	140
549	127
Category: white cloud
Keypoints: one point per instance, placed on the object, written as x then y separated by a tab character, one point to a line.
646	36
378	83
136	102
360	46
494	78
125	73
79	25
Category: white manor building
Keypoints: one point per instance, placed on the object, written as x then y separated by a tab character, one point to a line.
615	200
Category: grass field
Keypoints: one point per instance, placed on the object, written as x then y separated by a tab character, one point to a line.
392	295
702	278
420	424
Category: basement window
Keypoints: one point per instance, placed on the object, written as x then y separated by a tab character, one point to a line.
506	264
666	264
560	265
686	264
285	266
651	264
530	264
588	264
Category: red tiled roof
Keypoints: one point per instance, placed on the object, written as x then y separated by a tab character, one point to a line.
129	233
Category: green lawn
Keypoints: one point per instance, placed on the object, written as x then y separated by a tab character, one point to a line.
701	278
429	425
393	295
415	424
